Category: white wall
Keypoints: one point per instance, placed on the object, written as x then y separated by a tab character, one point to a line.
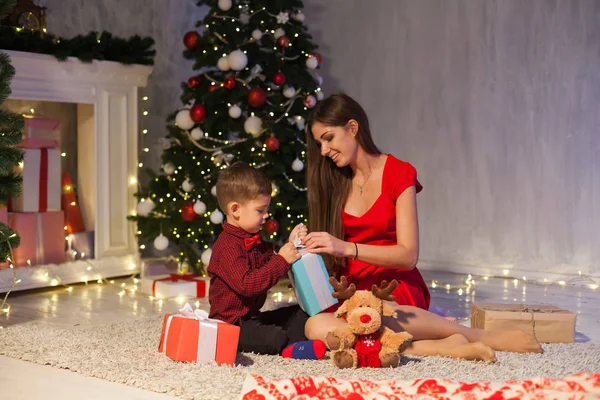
496	104
166	21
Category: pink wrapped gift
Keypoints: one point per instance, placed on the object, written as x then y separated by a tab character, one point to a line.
173	285
41	182
42	237
41	133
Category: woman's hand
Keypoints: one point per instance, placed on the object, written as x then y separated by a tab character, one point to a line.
323	242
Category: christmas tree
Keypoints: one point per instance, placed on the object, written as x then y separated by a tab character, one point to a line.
11	127
255	82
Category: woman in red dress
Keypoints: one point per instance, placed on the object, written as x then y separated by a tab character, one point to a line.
363	218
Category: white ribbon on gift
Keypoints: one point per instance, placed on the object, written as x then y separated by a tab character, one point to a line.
207	334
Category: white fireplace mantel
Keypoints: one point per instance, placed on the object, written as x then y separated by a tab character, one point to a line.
106	94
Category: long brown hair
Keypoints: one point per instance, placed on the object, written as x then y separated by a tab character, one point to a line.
329	185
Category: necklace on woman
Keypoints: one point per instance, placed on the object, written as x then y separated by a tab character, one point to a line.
367	178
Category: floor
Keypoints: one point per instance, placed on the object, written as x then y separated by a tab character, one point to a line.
117	300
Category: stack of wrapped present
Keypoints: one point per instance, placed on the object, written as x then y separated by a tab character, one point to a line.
36	214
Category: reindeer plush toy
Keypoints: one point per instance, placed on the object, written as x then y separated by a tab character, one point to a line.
365	341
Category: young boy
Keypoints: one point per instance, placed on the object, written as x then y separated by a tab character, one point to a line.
242	270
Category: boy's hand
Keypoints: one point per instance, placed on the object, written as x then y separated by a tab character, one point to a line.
299	230
289	252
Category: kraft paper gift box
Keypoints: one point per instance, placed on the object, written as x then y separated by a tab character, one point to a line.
41	182
41	133
310	280
42	237
549	324
191	337
173	285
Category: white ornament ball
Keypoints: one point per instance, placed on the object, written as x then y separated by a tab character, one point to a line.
197	133
223	64
289	92
319	79
183	119
299	16
205	256
216	217
213	191
312	63
187	186
145	207
300	123
199	207
256	34
310	101
320	95
253	126
169	168
237	60
279	32
161	242
224	5
235	111
297	165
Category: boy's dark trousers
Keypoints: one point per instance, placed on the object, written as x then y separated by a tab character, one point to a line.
272	331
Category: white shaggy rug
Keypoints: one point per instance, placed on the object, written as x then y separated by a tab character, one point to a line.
126	352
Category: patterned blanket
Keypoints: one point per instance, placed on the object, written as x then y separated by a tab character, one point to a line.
579	386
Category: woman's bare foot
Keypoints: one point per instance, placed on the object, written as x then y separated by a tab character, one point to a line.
516	341
472	351
455	346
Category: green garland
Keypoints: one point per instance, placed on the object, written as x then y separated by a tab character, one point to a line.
93	46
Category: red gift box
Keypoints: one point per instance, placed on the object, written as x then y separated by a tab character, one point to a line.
42	237
194	337
174	285
41	182
41	133
73	219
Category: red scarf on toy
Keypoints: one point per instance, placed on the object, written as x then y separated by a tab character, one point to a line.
367	349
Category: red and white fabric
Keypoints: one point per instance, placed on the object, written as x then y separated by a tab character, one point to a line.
578	386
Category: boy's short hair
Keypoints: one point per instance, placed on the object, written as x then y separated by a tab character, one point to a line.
241	183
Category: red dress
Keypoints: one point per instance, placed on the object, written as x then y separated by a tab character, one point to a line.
377	226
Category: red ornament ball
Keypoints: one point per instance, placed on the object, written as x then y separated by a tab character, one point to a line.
310	101
279	79
229	82
212	88
272	144
283	42
271	226
191	39
318	57
257	97
187	211
193	82
198	113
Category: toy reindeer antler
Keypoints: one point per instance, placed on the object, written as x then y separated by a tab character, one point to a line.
385	293
341	289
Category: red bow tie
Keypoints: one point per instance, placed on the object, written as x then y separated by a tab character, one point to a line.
252	241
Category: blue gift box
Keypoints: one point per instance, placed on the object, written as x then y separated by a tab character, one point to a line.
311	283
